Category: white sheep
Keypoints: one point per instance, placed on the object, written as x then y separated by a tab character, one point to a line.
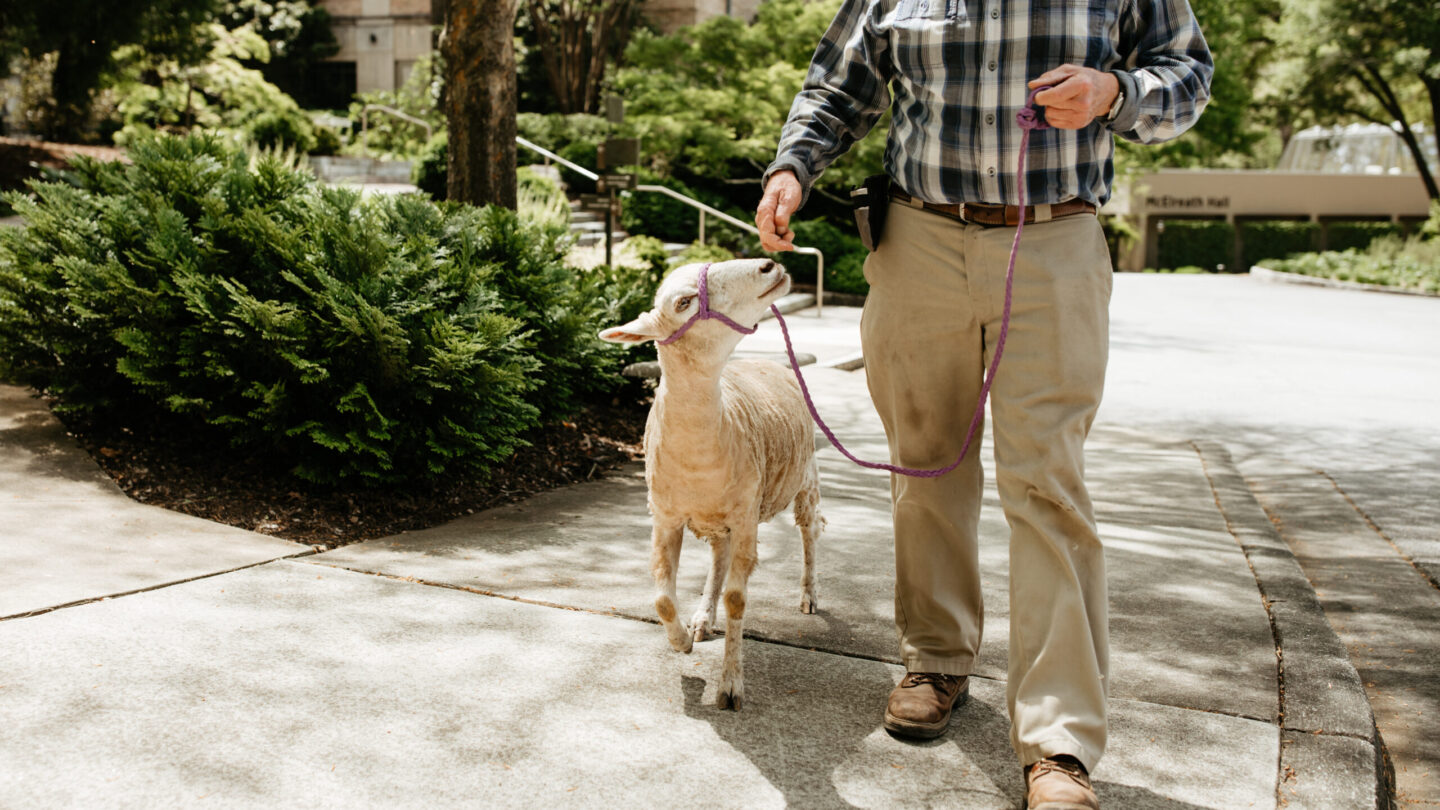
727	446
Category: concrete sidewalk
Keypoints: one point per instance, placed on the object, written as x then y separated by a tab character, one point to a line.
511	658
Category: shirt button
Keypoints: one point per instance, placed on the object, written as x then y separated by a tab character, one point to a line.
991	171
992	65
989	118
994	13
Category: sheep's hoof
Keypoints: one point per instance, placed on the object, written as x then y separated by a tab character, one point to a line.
700	627
679	639
808	603
730	697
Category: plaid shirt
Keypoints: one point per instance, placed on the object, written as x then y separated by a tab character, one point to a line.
957	71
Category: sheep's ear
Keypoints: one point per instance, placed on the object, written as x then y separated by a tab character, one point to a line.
635	332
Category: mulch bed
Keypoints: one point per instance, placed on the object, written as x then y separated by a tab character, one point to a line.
20	159
155	468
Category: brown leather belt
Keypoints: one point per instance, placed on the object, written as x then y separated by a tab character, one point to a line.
996	215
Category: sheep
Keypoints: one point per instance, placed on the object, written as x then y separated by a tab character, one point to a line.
727	446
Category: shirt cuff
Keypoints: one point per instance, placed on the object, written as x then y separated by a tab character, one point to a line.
1129	113
791	163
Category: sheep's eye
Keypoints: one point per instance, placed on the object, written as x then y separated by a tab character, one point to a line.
683	304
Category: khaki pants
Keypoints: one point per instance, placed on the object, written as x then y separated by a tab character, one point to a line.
931	322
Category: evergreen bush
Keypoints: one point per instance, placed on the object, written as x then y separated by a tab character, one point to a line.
1342	236
368	340
1277	240
1206	243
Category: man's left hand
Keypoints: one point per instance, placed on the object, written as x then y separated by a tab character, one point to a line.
1077	95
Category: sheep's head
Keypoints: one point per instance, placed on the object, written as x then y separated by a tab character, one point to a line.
741	290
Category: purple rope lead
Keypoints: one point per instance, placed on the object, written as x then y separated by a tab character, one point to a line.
1028	119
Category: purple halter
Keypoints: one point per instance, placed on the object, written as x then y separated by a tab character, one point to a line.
705	313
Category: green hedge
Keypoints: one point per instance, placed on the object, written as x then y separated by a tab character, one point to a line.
1206	243
1341	236
369	339
1277	240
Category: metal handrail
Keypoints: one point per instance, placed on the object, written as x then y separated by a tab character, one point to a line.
365	124
704	209
552	156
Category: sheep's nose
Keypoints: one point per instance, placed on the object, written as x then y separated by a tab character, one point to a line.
767	266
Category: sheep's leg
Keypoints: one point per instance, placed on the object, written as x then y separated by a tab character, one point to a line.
664	559
704	618
742	562
810	523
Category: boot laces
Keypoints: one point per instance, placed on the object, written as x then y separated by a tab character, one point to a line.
1074	770
918	678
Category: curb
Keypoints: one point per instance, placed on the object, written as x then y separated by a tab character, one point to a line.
1276	276
1329	745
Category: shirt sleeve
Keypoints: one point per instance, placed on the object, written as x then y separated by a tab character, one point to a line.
1165	73
845	92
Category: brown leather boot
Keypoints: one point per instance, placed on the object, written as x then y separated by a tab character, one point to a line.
1059	783
920	706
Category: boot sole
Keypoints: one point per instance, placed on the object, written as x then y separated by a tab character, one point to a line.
925	731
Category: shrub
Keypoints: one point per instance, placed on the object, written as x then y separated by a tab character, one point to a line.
652	214
650	252
287	129
430	172
838	244
349	339
327	141
1389	261
848	275
1207	243
1342	236
698	252
1276	240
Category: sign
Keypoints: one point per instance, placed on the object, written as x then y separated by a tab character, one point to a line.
615	109
619	152
599	203
616	182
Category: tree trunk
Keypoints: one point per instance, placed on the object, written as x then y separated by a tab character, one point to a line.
480	97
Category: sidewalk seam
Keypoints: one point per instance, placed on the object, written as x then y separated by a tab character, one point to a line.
91	600
1375	527
1274	566
764	639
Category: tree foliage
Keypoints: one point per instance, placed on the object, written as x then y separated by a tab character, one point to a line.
217	94
83	36
575	40
1373	60
298	35
712	98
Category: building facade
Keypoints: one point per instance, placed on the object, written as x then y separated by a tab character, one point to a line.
380	41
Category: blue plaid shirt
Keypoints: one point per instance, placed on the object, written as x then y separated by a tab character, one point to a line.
953	73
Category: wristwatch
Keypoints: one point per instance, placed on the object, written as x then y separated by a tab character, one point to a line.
1119	102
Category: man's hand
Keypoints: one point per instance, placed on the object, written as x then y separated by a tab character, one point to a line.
1077	95
782	197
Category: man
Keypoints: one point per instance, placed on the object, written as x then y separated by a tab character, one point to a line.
954	73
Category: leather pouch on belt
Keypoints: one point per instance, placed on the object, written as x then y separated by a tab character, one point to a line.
869	204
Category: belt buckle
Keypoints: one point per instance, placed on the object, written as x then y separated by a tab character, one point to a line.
964	217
